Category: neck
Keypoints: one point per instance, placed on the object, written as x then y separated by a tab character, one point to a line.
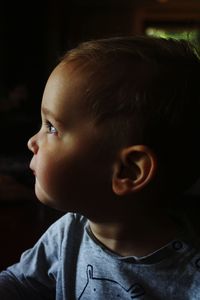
136	235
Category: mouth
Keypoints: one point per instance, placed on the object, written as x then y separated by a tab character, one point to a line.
32	169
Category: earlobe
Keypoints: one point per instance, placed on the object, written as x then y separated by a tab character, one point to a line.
134	169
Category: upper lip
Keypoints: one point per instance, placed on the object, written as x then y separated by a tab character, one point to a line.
30	166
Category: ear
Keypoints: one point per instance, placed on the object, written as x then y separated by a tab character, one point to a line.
133	170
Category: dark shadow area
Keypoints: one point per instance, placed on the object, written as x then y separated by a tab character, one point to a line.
33	37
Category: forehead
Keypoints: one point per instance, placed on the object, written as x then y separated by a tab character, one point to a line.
64	91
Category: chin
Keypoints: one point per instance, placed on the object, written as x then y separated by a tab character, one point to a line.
41	195
47	201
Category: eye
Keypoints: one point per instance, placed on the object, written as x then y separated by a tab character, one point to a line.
50	128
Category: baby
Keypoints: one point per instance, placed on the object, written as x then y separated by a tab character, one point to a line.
116	151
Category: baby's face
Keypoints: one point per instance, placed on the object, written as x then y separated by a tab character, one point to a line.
70	171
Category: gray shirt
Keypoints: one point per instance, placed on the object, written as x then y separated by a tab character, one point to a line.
69	263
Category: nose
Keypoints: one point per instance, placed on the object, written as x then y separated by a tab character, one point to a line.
32	144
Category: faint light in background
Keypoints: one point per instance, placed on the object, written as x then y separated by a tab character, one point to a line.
162	1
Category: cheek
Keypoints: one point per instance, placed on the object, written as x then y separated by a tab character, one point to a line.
58	177
50	171
70	178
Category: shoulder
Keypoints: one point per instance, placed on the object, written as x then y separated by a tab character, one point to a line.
60	233
69	222
48	249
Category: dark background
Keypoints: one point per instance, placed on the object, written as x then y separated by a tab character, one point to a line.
33	36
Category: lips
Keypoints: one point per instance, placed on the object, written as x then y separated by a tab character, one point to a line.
31	167
32	171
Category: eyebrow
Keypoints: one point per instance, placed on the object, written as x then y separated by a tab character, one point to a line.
49	113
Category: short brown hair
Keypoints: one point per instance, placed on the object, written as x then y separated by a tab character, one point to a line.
152	86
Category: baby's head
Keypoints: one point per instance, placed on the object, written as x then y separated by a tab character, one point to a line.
120	115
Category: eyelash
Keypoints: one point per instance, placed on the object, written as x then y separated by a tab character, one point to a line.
49	127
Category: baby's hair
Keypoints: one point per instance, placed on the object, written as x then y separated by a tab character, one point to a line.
148	89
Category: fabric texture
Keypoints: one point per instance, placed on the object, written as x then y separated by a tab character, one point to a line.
68	263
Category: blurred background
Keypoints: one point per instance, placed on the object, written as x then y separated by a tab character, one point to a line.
33	37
